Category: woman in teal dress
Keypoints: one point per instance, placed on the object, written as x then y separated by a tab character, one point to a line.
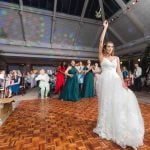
88	84
70	90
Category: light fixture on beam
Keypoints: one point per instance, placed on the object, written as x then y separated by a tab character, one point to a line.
128	8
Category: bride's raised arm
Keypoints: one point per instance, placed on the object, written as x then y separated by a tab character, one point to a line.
101	44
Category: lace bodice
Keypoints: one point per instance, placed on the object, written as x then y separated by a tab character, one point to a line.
108	65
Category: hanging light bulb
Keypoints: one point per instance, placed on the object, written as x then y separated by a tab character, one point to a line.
127	9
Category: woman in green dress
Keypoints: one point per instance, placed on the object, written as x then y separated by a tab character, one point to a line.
70	91
88	84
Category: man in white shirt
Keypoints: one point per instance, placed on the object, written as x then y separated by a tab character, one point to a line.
44	83
137	74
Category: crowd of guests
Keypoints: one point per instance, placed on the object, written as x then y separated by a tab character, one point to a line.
71	82
79	81
134	80
13	82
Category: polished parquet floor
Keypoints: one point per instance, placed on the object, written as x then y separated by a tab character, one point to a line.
59	125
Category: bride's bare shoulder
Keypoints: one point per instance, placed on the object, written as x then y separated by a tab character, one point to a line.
116	57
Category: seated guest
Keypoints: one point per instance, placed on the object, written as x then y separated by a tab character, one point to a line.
44	83
14	84
32	79
28	79
2	77
2	83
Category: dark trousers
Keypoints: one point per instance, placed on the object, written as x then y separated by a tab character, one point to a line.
80	87
138	84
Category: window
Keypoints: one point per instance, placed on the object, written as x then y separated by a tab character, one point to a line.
42	4
72	7
11	1
110	8
126	1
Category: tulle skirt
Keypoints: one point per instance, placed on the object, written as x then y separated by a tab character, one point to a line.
119	117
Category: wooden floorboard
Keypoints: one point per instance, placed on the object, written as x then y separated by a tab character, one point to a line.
59	125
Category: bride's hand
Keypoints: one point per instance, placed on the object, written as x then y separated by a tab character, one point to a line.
105	24
71	75
124	86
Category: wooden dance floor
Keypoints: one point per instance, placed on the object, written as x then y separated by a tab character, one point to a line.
59	125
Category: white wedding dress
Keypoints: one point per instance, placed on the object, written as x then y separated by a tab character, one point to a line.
119	117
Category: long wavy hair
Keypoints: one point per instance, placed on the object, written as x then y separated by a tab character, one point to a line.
104	48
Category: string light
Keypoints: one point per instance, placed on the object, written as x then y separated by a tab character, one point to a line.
133	3
127	9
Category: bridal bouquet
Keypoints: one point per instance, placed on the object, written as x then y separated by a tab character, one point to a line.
98	14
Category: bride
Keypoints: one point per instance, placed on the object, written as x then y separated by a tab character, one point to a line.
119	117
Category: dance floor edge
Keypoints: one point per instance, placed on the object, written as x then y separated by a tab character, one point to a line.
59	125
